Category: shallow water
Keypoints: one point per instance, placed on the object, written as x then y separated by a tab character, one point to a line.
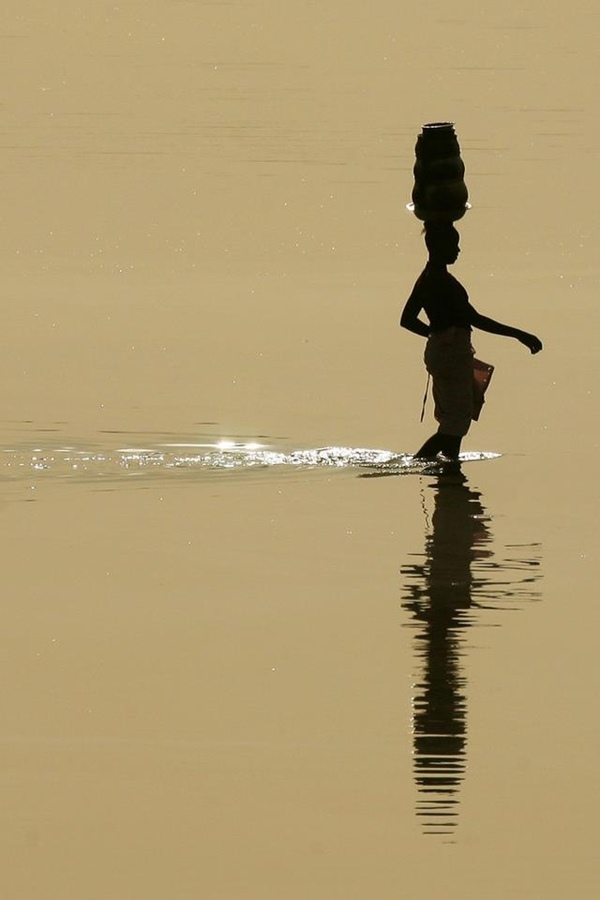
237	661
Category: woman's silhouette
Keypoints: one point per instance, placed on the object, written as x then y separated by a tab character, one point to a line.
448	352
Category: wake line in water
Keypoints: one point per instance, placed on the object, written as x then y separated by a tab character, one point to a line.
226	455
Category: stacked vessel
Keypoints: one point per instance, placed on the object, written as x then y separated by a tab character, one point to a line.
439	193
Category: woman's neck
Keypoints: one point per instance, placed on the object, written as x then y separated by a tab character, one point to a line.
435	265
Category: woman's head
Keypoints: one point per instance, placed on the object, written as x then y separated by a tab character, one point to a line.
442	243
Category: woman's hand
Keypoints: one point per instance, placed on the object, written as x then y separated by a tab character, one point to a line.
531	341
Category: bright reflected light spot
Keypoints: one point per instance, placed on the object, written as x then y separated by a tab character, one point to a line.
239	445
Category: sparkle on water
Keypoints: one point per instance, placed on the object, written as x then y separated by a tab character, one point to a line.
223	455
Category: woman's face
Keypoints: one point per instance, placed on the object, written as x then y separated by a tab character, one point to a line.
446	251
452	250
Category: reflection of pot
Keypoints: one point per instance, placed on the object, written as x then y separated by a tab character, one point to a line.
439	193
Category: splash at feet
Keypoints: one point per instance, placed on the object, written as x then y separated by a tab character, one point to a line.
223	455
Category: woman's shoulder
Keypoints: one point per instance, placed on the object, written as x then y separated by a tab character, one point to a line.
434	278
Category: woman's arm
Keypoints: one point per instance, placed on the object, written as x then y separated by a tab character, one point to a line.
410	314
484	323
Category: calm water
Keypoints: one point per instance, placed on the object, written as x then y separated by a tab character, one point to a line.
235	663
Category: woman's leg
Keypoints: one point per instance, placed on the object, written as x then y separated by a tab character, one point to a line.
451	445
447	444
431	447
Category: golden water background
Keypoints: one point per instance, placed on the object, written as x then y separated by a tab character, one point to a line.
226	682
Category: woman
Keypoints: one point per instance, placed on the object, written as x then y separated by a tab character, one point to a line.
448	352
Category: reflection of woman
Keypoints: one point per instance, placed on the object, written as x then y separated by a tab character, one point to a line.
458	577
448	353
438	593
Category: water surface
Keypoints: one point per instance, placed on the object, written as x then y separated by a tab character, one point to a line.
232	665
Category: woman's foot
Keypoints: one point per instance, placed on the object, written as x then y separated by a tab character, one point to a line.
451	446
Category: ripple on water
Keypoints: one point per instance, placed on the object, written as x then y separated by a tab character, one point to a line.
202	458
